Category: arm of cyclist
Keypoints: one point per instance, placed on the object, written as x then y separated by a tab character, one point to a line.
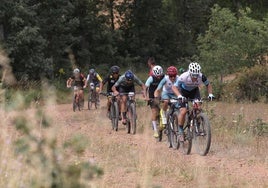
141	84
157	92
209	87
86	81
69	82
103	82
148	82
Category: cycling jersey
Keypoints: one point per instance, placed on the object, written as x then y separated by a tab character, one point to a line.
111	81
167	84
78	81
96	79
189	88
185	81
152	83
122	81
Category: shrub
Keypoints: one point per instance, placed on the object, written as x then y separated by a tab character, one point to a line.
251	84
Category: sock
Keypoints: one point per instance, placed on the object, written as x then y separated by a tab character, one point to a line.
164	119
154	125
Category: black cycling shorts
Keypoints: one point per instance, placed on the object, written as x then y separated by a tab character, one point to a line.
126	89
194	94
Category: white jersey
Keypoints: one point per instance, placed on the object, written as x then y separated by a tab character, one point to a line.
167	84
185	81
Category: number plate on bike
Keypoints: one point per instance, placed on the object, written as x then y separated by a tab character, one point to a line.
131	94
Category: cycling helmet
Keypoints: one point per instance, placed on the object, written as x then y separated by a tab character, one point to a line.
76	71
157	71
92	71
172	71
115	69
194	69
129	75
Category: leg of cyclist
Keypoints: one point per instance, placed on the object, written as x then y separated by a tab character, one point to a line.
165	96
109	103
81	96
155	113
124	108
97	93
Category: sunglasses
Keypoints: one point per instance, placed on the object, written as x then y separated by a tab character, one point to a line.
194	75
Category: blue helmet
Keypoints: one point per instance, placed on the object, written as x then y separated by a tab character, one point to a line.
129	75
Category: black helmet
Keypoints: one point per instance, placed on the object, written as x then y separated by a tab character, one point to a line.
115	69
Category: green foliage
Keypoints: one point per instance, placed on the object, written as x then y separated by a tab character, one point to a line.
50	38
232	41
251	84
43	154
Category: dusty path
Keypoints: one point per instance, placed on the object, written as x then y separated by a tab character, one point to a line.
139	161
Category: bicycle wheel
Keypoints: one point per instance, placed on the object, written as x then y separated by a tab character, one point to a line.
202	134
173	128
186	145
89	103
74	103
95	99
132	118
114	115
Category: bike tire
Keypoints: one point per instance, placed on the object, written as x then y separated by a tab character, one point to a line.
173	128
74	103
115	115
186	146
132	118
202	136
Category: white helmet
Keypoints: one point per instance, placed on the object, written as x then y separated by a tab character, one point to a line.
157	71
76	71
194	68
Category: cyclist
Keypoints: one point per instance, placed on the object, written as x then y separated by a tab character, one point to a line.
188	86
94	79
151	64
111	78
151	85
167	92
124	85
79	82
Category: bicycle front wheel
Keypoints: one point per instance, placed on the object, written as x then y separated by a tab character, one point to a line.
114	115
202	134
186	145
132	118
173	130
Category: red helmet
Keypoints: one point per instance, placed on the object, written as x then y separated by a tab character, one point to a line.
172	71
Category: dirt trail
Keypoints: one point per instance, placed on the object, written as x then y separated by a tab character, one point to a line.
139	161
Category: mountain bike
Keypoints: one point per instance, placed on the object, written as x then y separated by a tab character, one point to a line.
114	110
197	128
93	97
131	113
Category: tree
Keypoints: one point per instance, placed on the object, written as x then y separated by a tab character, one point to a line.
232	41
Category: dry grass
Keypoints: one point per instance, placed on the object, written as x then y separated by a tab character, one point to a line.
238	157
